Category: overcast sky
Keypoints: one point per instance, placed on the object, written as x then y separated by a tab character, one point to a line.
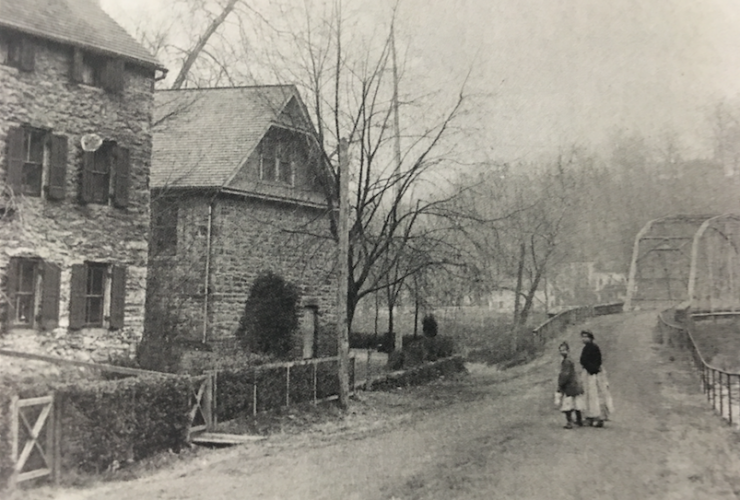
558	72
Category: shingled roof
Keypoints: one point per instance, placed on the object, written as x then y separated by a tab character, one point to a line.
203	136
81	23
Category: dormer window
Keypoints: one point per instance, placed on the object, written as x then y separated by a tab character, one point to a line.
278	155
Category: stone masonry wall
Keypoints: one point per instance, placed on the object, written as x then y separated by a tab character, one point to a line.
249	237
66	232
253	237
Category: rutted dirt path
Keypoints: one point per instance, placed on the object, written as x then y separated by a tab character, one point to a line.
505	442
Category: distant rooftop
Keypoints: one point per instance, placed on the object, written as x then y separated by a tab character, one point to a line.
80	23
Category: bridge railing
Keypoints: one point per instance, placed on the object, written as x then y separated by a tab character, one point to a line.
553	326
676	327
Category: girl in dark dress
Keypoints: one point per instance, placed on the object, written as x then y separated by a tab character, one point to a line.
569	388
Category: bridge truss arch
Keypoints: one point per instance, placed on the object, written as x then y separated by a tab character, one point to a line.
661	262
714	277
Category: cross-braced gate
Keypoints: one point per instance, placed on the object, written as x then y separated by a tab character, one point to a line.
34	438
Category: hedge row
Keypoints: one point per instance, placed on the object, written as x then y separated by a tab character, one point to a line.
420	374
108	421
122	420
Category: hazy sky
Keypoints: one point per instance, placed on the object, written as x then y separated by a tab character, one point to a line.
558	72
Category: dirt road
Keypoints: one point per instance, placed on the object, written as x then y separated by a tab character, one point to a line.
506	442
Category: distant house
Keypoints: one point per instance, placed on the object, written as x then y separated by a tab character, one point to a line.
238	188
73	223
581	283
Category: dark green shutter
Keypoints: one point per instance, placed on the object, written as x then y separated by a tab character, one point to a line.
50	285
28	56
87	187
11	286
15	160
77	302
122	177
117	297
77	65
57	167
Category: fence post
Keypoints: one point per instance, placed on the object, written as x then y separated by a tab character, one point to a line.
315	382
706	384
254	394
57	443
714	392
214	406
729	396
14	437
721	397
287	385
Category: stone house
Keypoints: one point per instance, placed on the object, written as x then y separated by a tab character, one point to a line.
238	188
73	223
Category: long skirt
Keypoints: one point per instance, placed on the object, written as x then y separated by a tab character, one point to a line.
597	397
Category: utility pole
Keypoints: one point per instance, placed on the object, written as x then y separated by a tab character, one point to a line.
343	263
397	147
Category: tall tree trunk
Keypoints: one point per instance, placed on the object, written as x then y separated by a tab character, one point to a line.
391	330
416	315
517	297
201	44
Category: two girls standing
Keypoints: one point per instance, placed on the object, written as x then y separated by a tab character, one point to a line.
592	397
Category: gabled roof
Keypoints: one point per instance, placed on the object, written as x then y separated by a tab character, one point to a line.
202	137
81	23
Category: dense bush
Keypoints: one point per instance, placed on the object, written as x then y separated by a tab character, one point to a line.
420	374
360	340
429	326
270	316
122	420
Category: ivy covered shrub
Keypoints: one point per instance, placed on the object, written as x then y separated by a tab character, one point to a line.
429	326
270	316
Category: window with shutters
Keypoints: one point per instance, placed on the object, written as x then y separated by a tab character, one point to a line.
35	154
96	277
37	162
105	175
33	292
97	295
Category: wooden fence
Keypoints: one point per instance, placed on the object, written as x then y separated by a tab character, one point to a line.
553	326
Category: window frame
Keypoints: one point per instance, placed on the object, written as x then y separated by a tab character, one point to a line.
278	155
101	295
42	166
33	294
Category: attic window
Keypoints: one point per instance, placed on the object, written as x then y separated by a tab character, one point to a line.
278	160
98	71
17	51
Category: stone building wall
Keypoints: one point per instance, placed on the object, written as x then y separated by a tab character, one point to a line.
67	232
249	237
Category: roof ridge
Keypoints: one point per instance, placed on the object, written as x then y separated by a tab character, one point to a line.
236	87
